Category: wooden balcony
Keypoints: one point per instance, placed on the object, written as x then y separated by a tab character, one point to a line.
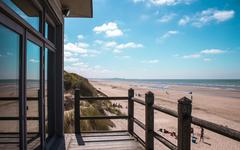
129	139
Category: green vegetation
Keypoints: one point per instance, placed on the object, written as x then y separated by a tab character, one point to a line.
97	108
73	81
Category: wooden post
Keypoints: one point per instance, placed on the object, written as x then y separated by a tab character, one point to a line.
149	121
130	110
184	123
77	111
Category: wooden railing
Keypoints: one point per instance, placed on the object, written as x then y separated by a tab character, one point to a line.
185	119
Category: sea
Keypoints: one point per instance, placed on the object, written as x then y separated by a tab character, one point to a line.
227	84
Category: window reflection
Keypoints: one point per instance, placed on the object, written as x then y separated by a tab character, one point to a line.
46	91
33	86
49	32
33	69
9	86
25	10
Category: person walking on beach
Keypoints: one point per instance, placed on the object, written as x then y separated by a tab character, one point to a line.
202	135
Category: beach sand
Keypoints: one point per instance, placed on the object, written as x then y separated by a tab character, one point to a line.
216	105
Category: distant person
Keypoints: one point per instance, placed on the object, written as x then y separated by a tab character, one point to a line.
193	137
202	135
167	93
192	131
191	95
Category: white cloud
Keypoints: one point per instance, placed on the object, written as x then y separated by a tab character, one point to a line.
73	50
223	15
117	51
85	70
74	47
183	21
80	37
163	2
192	56
203	53
111	44
80	64
67	54
118	47
82	44
70	59
123	56
97	67
109	29
170	33
212	51
129	45
169	2
98	41
207	16
65	38
153	61
166	18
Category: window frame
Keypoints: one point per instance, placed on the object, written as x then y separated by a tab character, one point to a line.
11	25
17	24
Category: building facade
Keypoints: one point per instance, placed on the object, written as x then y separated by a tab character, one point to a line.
31	71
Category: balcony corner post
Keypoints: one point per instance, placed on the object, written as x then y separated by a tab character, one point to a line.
149	121
77	110
130	110
184	123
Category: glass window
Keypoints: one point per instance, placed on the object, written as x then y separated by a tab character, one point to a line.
49	32
33	87
9	88
46	91
25	10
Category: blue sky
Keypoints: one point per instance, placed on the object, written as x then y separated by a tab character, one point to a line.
161	39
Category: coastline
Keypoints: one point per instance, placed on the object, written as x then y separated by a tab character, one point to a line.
216	105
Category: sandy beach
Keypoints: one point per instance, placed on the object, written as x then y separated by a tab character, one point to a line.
216	105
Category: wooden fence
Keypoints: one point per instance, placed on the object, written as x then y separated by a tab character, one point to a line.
185	119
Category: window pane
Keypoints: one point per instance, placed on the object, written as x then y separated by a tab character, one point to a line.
33	86
9	86
46	91
26	10
49	32
33	69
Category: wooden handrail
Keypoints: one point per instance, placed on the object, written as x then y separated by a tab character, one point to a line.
139	101
139	123
165	141
166	110
222	130
77	116
141	141
103	98
185	119
102	117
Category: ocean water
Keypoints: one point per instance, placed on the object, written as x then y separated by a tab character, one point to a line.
228	84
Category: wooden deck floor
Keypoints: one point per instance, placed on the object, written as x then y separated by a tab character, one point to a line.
101	141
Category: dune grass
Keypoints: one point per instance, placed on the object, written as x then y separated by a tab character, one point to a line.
96	108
